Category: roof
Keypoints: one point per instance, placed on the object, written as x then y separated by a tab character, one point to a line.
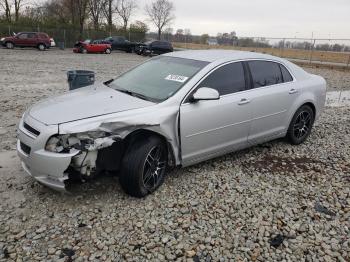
220	55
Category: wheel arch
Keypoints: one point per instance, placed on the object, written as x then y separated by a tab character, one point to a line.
9	41
144	133
311	105
41	43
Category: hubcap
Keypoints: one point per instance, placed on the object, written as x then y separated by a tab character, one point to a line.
302	125
154	167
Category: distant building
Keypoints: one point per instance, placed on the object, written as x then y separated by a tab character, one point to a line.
212	41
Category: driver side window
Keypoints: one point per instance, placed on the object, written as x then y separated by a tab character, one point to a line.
227	79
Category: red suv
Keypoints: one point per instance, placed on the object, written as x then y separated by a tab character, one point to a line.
28	39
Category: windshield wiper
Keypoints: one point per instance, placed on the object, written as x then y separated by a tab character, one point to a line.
108	82
131	93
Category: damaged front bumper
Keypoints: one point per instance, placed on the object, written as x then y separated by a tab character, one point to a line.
46	167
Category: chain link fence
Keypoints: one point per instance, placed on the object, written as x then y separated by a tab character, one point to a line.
334	52
330	51
69	36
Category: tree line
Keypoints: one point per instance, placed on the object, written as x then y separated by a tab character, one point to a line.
105	15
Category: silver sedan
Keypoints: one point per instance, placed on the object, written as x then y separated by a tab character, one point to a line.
176	109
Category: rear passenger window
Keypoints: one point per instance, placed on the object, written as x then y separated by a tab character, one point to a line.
286	75
227	79
265	73
42	36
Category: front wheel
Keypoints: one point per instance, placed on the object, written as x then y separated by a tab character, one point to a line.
301	125
144	167
9	45
108	51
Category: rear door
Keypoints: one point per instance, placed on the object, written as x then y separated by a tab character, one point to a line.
211	128
272	95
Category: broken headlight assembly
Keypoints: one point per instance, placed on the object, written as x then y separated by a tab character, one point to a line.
87	141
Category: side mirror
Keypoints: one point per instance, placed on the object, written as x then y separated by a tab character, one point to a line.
205	93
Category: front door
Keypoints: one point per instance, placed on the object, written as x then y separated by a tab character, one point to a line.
212	128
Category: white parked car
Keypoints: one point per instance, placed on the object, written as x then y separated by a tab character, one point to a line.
176	109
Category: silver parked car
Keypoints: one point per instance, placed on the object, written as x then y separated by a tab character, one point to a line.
176	109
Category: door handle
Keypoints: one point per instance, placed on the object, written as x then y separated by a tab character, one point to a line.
243	101
293	91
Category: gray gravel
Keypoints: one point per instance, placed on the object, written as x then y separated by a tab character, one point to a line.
273	202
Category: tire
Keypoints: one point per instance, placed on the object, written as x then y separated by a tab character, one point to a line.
301	125
108	51
144	167
83	50
41	47
9	45
130	50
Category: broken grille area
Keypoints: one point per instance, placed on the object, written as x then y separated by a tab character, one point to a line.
31	129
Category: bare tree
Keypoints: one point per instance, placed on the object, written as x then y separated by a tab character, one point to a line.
95	10
161	14
108	12
81	11
6	6
125	9
18	5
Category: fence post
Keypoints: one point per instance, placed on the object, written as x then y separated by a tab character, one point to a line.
9	30
312	50
348	61
64	37
282	48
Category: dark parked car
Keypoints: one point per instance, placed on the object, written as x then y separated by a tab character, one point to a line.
154	48
120	43
28	39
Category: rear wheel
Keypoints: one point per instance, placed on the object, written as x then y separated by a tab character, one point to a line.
108	51
10	45
301	125
41	47
144	167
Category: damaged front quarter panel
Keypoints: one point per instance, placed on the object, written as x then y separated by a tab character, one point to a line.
117	127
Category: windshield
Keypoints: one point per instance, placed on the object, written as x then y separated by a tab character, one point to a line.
159	78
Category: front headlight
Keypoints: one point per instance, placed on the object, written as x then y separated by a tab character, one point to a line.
87	141
2	39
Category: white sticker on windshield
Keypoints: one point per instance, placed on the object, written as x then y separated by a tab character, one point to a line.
176	78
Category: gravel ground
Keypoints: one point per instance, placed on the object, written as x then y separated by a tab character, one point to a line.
273	202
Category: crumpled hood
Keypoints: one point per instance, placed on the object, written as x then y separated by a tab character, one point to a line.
84	103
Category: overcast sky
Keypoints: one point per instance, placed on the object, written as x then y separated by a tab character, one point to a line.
274	18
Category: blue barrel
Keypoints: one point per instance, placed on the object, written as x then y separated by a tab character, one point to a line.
80	78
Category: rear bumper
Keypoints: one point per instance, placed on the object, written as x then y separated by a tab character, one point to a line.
76	50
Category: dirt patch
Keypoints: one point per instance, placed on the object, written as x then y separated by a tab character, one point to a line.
274	163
